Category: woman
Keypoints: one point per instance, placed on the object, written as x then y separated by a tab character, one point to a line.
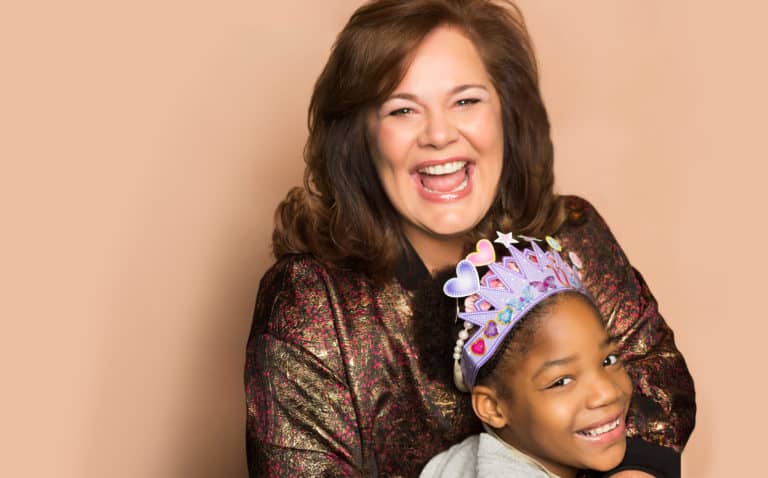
427	132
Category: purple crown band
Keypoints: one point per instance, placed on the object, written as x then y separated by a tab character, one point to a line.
505	294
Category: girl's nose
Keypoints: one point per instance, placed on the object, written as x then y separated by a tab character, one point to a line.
439	131
605	390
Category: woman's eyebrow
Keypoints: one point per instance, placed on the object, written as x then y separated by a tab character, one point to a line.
554	363
461	88
403	96
455	90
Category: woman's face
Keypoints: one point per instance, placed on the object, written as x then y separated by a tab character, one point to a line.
437	141
569	394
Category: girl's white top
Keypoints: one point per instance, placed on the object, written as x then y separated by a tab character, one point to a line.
484	456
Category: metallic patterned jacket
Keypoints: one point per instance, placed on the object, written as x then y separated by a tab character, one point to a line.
334	386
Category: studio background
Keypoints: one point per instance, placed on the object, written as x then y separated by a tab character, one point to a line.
145	145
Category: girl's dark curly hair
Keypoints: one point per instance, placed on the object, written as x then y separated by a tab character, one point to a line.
342	215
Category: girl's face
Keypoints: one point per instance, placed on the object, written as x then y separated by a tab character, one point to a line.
437	142
569	394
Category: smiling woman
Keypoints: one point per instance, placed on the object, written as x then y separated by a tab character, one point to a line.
427	132
375	94
438	145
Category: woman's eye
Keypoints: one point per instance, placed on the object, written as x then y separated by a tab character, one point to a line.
561	382
401	112
611	359
467	101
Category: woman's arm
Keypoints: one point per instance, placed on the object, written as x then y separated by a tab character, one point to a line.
663	409
301	421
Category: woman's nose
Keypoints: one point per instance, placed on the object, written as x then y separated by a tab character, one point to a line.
439	130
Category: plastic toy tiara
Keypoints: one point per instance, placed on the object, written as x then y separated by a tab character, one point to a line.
503	296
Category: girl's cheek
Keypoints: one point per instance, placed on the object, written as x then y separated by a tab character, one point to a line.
626	383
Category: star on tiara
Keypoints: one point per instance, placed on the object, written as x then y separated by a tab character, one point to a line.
496	302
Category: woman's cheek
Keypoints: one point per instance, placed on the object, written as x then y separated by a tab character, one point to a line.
389	139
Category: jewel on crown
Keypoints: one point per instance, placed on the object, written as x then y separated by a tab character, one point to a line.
505	293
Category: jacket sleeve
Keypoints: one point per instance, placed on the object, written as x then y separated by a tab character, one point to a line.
663	410
301	421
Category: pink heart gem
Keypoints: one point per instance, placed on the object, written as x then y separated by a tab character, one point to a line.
484	254
478	348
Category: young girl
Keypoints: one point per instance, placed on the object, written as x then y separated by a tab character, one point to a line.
544	376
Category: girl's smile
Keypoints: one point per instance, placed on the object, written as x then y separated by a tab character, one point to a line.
605	433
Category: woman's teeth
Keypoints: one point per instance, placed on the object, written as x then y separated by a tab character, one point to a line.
601	429
446	178
440	169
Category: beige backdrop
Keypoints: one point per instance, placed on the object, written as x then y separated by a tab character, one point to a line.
145	144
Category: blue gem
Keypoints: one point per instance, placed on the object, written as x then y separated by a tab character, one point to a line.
506	315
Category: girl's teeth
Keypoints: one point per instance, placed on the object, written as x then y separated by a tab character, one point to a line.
603	429
447	168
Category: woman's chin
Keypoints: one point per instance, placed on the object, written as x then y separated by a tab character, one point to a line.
451	223
449	231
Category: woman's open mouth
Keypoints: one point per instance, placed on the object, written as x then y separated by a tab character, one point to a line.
445	181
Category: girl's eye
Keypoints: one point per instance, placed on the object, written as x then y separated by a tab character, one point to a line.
561	382
401	112
467	101
611	359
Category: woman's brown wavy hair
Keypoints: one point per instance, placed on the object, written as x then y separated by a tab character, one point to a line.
342	215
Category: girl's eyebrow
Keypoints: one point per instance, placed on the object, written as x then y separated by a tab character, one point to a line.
454	91
609	341
554	363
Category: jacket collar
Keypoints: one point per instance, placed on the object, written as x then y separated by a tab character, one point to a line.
410	270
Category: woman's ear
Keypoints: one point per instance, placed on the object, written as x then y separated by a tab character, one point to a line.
487	406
